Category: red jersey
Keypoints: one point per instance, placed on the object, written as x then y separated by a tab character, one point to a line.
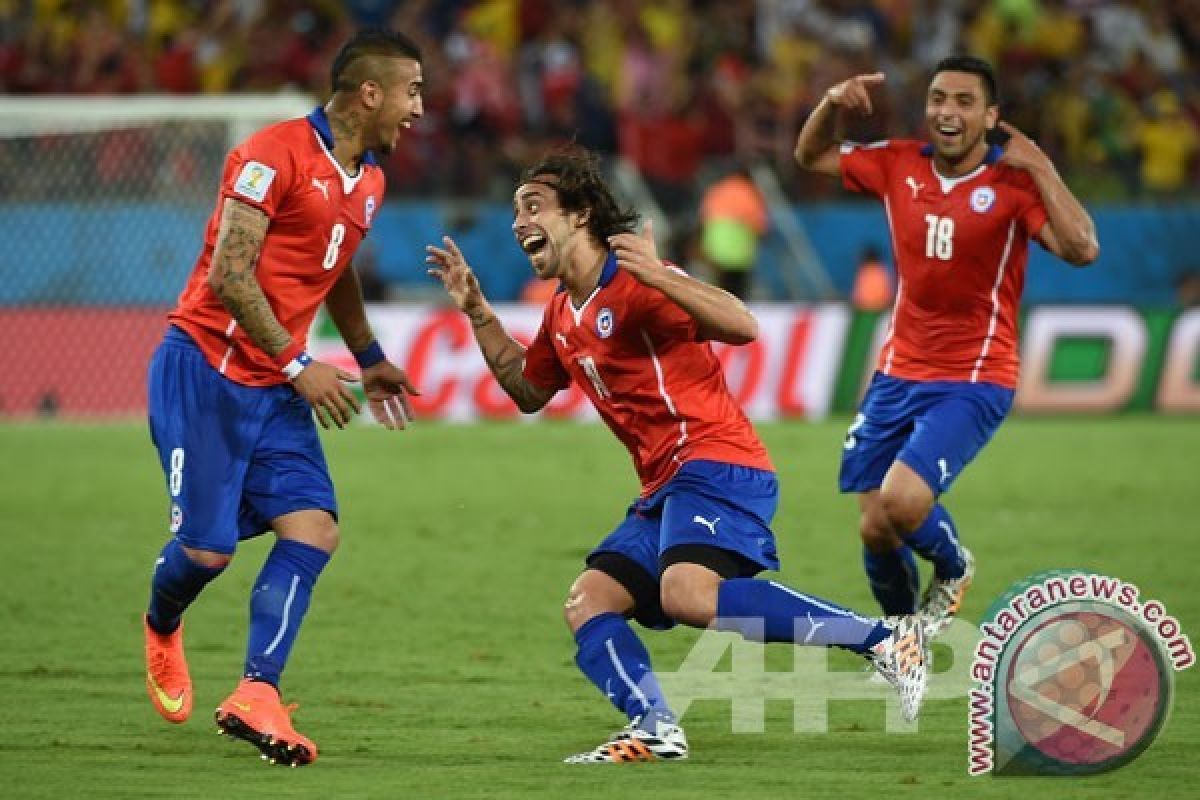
318	216
960	247
636	355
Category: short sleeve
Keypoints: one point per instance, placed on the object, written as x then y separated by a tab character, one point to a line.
865	166
542	366
663	316
258	172
1033	212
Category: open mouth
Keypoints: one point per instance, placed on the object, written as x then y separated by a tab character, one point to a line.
534	243
948	131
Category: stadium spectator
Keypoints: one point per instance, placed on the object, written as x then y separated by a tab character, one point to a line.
733	217
684	81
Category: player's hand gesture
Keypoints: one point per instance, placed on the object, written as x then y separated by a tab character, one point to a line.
456	276
387	388
854	94
324	387
1020	151
637	253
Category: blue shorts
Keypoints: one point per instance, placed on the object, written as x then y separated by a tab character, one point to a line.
235	457
707	503
935	427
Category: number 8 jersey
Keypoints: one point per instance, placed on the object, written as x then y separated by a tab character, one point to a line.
960	246
318	216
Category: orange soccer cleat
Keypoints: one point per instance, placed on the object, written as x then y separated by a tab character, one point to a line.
167	678
254	712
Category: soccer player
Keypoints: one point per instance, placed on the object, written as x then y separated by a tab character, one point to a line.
633	334
961	213
233	392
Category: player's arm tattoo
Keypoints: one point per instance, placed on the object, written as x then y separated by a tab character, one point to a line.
345	305
505	357
232	278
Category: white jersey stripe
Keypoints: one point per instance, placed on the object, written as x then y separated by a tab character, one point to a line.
662	390
888	340
991	331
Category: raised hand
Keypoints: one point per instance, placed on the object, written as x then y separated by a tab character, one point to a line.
854	94
387	388
456	276
1020	151
637	253
324	387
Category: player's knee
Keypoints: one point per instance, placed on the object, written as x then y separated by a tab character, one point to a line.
583	603
905	510
209	559
877	533
689	597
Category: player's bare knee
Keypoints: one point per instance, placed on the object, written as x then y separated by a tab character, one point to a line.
208	559
876	532
905	511
688	597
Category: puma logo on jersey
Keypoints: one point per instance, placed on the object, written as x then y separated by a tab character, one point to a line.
945	471
712	526
562	340
912	184
322	187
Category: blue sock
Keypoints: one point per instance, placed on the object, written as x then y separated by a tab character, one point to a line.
766	611
614	659
937	541
894	579
176	583
277	605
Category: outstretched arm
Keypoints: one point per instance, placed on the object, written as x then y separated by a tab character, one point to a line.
1069	232
817	144
720	315
505	356
239	238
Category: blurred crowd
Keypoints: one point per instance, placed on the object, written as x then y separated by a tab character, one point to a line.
1110	88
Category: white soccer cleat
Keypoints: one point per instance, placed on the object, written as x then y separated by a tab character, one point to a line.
943	599
901	660
633	743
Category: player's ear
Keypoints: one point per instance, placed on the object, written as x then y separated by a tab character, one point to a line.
371	94
583	218
991	117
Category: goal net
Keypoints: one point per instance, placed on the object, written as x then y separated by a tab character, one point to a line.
103	203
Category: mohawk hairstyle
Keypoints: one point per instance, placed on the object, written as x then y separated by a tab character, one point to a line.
369	42
574	174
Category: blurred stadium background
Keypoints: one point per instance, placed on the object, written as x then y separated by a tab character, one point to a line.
117	114
429	668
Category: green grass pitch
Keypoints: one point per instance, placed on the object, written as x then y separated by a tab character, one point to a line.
434	662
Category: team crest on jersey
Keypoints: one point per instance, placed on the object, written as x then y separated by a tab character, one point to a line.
254	180
605	323
982	199
370	208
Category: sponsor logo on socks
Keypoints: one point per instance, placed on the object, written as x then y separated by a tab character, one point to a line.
171	705
712	526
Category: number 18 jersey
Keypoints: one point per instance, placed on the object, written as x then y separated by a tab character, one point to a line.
318	216
960	247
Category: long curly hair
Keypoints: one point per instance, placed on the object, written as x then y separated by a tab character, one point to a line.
574	174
